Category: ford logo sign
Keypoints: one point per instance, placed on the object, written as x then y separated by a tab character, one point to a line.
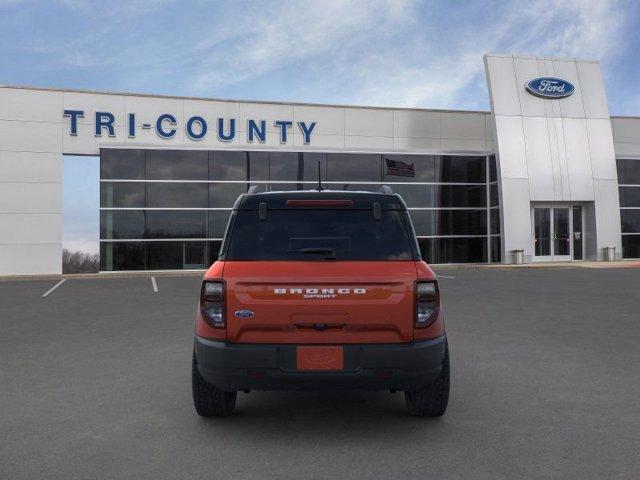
244	313
549	87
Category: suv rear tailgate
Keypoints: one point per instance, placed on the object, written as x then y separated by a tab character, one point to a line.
320	302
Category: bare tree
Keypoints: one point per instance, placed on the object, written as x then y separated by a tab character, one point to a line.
80	262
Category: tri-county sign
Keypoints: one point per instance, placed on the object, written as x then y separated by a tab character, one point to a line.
196	127
549	87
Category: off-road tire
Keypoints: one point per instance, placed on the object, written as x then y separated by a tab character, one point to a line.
432	400
208	400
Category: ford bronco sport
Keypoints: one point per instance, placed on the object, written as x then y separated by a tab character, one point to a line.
320	290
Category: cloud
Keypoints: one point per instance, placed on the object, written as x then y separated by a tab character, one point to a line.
383	56
388	52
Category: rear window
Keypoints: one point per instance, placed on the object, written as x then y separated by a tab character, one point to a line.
319	234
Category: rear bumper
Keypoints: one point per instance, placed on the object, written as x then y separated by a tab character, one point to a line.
234	367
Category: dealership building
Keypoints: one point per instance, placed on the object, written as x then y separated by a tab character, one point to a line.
546	175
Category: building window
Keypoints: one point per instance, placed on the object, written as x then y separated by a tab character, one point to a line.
629	191
169	209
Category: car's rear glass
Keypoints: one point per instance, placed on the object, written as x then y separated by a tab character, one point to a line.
319	234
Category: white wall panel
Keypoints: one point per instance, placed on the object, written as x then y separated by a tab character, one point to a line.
555	145
30	105
463	125
631	150
368	143
30	259
368	122
601	149
503	79
30	136
538	154
607	206
461	145
30	167
30	228
419	144
511	146
516	217
593	90
416	124
626	130
570	106
30	197
319	142
329	120
578	159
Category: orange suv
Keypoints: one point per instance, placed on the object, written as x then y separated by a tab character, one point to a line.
320	290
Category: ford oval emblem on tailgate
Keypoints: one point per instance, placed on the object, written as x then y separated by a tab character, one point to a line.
244	313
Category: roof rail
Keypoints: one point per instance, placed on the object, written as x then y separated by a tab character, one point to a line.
253	189
386	189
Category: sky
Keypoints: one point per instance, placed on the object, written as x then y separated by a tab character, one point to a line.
400	53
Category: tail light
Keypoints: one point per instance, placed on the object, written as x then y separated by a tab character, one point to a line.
427	303
212	303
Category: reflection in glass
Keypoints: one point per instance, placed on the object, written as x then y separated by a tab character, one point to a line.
224	195
128	195
416	196
630	221
218	222
493	169
629	196
122	256
125	164
628	171
542	229
177	165
348	167
176	224
631	246
228	165
285	166
449	222
121	224
561	236
495	220
453	250
496	250
177	195
578	239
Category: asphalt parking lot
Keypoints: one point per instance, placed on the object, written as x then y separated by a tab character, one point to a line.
95	383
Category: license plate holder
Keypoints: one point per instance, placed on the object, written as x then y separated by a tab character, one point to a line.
320	359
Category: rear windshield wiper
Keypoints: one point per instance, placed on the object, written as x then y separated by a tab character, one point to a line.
329	253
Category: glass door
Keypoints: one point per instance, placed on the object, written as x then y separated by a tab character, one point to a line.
561	234
557	233
542	234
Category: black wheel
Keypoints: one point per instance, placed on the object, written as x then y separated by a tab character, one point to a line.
208	400
432	400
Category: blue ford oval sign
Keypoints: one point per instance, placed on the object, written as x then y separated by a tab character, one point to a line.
243	313
549	87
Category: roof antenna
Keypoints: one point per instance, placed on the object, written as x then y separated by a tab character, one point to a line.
320	187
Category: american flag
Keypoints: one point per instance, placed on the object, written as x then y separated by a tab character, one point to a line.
399	169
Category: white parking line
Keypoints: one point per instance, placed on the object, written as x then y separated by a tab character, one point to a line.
154	284
444	276
54	287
